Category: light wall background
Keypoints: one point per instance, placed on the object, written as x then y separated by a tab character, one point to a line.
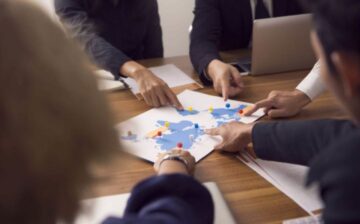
176	17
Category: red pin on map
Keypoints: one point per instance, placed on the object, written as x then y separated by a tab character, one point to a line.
179	145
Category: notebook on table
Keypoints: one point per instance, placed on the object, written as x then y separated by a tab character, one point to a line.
176	79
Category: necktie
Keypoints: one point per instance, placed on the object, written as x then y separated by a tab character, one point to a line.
261	11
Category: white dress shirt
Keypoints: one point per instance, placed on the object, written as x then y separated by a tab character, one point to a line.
312	85
268	5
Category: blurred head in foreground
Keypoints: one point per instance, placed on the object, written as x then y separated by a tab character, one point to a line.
55	125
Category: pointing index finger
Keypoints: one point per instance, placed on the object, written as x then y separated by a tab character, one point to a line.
225	91
173	99
267	103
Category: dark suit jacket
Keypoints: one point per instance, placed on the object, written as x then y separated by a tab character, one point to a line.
174	199
332	150
221	25
114	31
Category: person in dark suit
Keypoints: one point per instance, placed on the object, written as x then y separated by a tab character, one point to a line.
329	147
117	32
221	25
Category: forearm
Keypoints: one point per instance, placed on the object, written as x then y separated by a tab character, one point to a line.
75	18
201	54
172	198
205	34
296	141
106	56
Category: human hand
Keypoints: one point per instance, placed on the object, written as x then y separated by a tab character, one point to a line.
282	104
226	78
235	136
162	166
155	91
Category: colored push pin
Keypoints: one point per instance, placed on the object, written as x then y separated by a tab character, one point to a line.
129	133
241	111
211	109
190	109
227	105
159	133
167	124
196	126
179	145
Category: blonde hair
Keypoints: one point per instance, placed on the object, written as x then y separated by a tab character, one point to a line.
53	122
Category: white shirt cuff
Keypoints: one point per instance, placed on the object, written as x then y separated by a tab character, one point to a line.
312	85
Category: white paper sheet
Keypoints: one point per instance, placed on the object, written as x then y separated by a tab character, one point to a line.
108	85
290	179
170	74
134	133
103	74
305	220
107	82
98	209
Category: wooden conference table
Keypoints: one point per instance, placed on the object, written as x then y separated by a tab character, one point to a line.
250	198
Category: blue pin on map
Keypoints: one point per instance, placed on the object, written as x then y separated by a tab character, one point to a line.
228	105
196	126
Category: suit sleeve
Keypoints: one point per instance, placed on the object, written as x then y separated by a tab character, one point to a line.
335	171
205	36
168	199
297	141
153	41
75	17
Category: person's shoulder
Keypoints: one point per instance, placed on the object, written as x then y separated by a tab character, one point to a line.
339	160
336	172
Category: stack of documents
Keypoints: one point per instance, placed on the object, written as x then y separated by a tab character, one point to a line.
288	178
305	220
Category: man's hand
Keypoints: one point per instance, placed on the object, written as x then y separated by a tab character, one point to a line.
236	136
155	91
282	104
226	78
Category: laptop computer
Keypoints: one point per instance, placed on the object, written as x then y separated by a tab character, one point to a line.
280	44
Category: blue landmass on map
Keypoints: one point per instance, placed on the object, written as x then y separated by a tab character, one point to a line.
225	115
187	112
179	132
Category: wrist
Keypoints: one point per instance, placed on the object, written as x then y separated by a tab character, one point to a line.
132	69
302	98
211	67
172	166
248	133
